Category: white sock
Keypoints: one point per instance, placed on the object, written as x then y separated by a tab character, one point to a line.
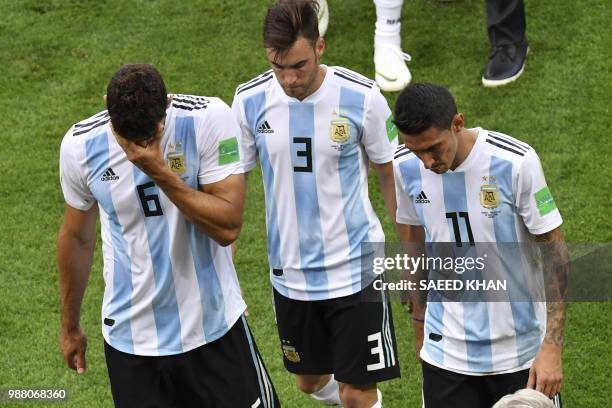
388	14
329	394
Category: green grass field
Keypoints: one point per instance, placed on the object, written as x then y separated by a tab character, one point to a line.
56	57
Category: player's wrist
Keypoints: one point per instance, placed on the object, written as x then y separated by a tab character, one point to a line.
551	347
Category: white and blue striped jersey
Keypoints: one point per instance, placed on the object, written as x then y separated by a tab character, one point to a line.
314	156
497	195
169	287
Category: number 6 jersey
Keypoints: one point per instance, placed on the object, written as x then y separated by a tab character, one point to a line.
169	287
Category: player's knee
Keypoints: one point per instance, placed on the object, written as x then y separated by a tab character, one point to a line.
311	383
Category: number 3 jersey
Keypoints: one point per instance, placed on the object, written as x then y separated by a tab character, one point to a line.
497	195
169	287
314	156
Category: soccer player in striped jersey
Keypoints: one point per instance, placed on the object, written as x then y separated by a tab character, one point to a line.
163	173
316	129
459	186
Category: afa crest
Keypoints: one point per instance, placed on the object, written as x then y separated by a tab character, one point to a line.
340	130
291	354
176	158
488	196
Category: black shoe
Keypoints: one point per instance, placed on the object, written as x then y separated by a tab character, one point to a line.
506	64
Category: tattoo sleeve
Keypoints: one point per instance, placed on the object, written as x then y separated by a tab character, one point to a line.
556	273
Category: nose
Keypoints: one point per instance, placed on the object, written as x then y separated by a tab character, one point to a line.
428	161
290	77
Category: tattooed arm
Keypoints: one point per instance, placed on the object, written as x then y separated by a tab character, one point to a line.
546	372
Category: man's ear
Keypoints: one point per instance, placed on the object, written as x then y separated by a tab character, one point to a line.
105	98
458	122
320	47
169	101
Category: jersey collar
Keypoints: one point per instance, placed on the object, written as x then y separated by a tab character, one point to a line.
472	157
314	97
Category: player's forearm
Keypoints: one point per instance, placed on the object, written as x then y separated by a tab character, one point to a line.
556	273
412	239
387	186
74	258
217	217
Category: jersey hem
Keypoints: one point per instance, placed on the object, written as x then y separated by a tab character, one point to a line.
221	176
124	349
80	207
546	228
406	221
428	360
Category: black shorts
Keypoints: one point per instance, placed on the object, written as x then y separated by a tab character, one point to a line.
447	389
348	337
228	372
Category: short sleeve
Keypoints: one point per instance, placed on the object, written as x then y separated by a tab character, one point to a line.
379	132
219	139
73	178
248	149
406	213
535	202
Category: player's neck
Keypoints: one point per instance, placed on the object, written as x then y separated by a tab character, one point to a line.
465	142
316	84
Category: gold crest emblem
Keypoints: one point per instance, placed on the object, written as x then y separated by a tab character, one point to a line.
291	354
340	130
488	196
176	159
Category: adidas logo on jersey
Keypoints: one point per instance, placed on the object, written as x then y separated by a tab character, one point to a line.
422	198
265	128
109	175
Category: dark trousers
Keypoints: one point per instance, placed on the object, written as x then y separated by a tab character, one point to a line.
447	389
506	21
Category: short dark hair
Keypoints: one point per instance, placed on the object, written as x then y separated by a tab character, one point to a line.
422	106
136	100
287	20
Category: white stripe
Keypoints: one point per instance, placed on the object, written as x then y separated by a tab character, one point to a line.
188	298
256	403
265	382
333	226
388	331
284	196
254	358
385	323
144	329
226	274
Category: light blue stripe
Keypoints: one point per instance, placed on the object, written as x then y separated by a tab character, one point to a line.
185	135
475	314
523	313
355	217
120	334
211	295
411	175
254	107
301	124
165	308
